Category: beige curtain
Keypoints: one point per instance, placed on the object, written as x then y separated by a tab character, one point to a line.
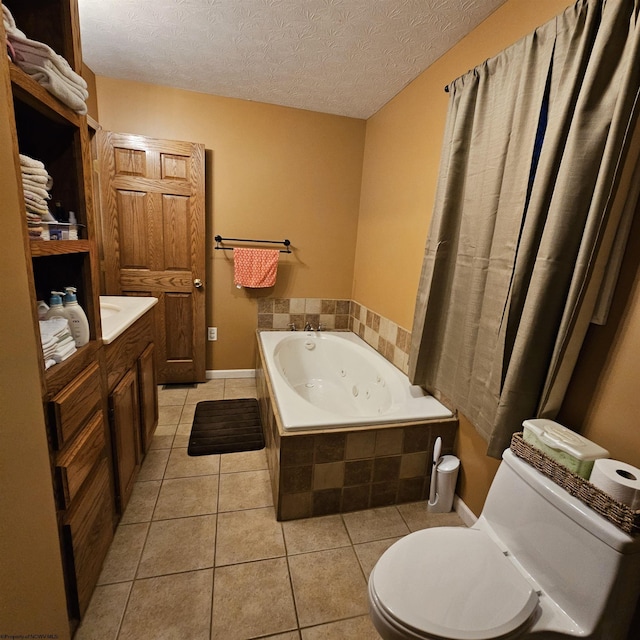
535	143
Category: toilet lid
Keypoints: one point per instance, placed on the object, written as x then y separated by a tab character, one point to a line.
454	583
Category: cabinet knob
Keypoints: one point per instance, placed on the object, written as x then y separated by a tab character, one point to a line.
197	283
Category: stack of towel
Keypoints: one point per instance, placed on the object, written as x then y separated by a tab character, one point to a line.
36	183
45	66
57	342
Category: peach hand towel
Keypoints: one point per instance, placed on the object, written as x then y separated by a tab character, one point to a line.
255	268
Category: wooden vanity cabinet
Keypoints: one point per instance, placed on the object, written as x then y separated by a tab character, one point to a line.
133	401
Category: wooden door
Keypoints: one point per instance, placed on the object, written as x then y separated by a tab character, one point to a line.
153	240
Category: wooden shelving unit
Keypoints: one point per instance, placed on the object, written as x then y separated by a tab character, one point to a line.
74	391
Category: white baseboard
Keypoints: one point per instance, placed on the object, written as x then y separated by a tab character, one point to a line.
230	373
466	515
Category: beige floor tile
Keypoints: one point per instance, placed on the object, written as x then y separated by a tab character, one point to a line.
375	524
182	465
186	417
183	434
245	490
315	534
291	635
369	553
124	554
182	544
161	442
328	586
166	430
169	415
360	628
171	396
169	607
104	615
252	599
237	388
210	390
142	502
252	534
153	465
417	517
243	461
183	497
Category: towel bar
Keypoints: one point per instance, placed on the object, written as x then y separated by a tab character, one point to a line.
219	240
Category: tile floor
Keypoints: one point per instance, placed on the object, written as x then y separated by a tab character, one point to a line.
199	555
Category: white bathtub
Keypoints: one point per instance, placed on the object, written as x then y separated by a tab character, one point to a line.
333	379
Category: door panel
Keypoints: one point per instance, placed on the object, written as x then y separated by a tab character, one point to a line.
153	240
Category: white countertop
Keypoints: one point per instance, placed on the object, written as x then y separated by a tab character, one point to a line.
118	313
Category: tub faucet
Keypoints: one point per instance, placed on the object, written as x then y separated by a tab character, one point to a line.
308	327
292	326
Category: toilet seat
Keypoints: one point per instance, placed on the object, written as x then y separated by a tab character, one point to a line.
453	583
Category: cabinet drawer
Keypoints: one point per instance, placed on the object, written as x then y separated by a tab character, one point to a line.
88	532
75	404
74	465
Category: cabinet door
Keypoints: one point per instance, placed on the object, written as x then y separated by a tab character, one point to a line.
88	532
125	424
148	395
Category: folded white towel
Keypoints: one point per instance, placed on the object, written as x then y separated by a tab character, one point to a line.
59	356
37	180
26	161
55	326
34	52
9	22
46	67
53	82
36	192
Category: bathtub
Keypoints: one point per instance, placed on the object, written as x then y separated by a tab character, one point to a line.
335	379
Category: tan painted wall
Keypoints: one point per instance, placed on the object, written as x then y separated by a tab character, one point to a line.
32	598
273	173
401	162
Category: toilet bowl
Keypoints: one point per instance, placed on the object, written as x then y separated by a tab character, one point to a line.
421	589
537	564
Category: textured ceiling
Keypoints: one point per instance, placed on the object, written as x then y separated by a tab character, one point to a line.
345	57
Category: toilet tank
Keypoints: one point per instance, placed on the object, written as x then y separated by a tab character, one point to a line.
585	563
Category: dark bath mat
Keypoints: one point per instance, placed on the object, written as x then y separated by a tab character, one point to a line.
226	426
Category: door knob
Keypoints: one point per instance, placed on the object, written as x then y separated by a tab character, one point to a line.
197	283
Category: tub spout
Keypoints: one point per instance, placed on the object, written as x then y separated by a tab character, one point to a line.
309	327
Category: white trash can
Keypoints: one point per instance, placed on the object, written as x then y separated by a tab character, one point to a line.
446	478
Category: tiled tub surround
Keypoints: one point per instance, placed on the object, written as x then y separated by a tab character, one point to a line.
384	335
315	473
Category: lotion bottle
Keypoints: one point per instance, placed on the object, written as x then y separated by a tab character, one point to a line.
55	306
78	322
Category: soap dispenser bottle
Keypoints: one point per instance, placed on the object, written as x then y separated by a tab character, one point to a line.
77	318
55	306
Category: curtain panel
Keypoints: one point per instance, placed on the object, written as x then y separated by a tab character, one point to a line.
533	152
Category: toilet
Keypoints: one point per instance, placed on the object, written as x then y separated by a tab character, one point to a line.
538	563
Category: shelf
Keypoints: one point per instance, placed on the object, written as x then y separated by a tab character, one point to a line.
30	92
43	248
